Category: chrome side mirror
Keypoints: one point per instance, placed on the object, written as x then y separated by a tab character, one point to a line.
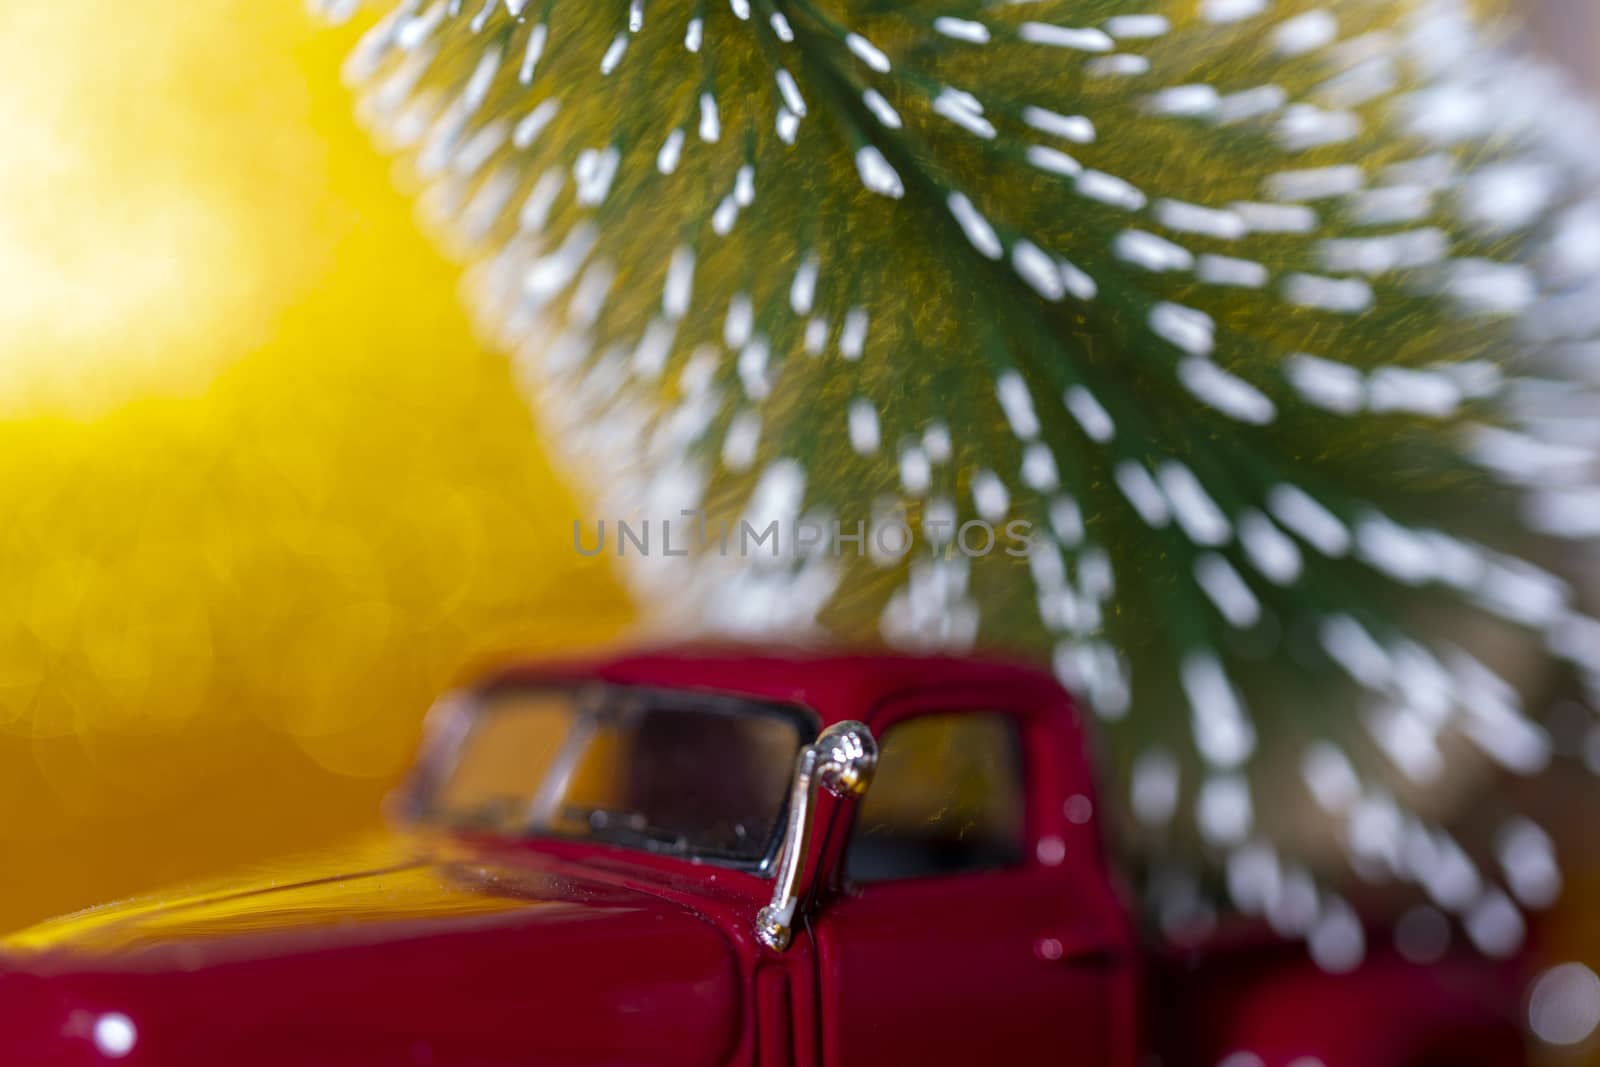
842	760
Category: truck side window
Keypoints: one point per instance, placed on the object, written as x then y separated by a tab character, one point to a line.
948	796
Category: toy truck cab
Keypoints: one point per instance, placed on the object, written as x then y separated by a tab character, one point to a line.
693	859
951	905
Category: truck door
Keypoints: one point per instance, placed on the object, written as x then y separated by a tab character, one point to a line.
974	920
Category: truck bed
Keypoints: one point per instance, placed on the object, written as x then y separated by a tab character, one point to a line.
1248	991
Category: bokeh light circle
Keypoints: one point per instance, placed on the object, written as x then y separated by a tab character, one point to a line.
1565	1006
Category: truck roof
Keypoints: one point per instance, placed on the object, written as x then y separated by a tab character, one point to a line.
836	684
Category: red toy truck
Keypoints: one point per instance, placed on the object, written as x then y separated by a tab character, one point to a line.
736	858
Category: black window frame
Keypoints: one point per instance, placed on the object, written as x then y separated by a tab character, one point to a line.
587	692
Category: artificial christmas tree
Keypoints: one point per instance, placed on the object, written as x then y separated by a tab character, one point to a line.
1266	328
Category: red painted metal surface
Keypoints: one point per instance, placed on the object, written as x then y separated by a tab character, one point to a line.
1010	965
478	951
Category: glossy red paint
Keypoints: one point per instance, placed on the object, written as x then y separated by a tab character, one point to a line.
1011	965
475	951
1270	999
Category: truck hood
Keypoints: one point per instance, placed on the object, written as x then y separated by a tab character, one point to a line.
376	956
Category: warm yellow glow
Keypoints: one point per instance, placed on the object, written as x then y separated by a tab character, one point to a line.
122	254
264	495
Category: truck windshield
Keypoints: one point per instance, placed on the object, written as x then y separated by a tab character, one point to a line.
677	773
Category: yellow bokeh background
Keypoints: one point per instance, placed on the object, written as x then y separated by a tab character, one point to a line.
262	494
